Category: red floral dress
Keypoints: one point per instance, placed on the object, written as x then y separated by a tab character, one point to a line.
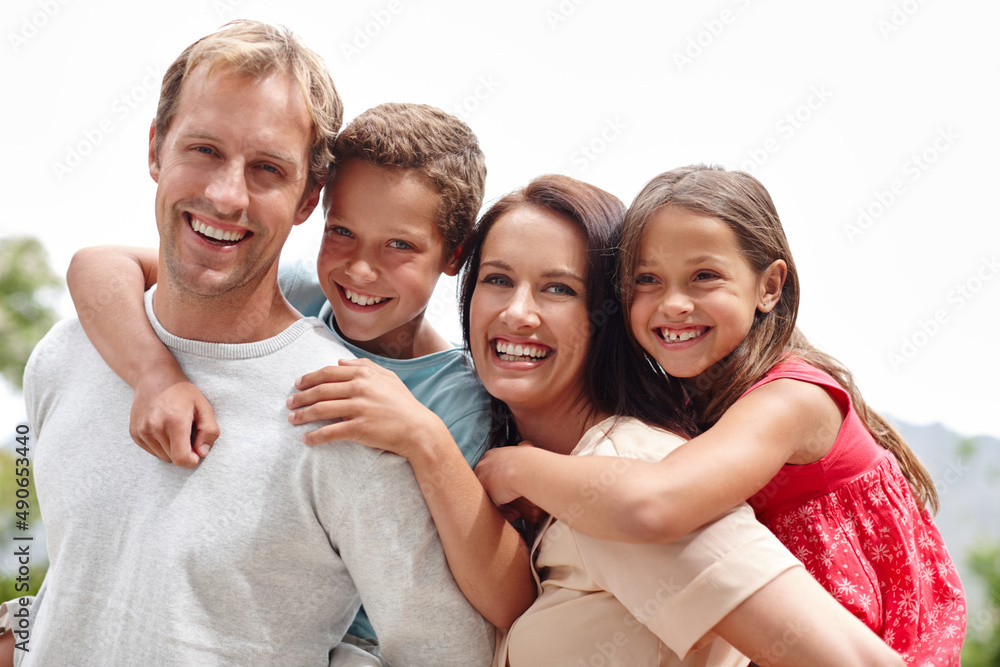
853	521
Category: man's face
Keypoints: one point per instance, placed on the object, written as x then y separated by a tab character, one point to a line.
231	180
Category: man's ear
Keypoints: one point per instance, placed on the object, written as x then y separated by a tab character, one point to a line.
771	282
451	266
154	167
308	204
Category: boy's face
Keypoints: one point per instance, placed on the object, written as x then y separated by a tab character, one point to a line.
381	255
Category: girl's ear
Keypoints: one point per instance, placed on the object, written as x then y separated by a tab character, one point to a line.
771	282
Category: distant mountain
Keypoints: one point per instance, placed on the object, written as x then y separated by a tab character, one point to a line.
966	472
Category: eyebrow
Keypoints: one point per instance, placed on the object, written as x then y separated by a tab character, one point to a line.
280	157
556	273
694	260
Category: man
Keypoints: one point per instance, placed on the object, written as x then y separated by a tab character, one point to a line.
257	555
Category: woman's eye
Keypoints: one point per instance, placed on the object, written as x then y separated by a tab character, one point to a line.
705	275
561	289
494	279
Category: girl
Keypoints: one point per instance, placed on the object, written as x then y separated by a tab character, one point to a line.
711	294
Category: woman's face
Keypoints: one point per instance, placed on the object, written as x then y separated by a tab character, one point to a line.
529	329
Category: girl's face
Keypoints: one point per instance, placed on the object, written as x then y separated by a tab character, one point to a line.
529	331
695	293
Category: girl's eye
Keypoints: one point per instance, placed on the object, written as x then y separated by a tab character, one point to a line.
495	279
561	290
644	279
400	245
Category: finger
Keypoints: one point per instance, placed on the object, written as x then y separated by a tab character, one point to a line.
179	439
330	433
339	409
206	429
150	449
525	443
327	391
325	374
145	438
358	362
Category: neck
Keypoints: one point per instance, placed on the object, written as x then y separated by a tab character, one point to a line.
558	431
245	315
415	339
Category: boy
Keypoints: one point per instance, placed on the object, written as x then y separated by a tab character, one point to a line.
403	192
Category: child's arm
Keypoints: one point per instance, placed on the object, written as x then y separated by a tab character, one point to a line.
485	554
107	285
784	421
793	621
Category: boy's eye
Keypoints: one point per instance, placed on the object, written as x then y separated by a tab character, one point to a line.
337	230
400	245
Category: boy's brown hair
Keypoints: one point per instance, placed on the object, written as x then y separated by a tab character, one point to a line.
429	141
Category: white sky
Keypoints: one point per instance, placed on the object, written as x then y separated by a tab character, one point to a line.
888	106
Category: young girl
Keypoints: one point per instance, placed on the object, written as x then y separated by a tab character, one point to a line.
711	293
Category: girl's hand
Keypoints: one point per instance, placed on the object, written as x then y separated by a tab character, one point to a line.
172	420
369	404
498	471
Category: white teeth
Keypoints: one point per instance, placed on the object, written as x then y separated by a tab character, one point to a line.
679	336
362	300
217	234
511	352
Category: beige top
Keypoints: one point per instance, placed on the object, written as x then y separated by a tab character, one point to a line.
612	603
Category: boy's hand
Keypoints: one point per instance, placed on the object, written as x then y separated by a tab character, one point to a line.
164	412
370	404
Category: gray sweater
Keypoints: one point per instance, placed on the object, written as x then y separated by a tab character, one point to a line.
258	556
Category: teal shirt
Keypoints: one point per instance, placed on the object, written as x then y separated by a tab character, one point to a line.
443	381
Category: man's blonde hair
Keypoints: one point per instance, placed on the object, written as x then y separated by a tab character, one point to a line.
257	50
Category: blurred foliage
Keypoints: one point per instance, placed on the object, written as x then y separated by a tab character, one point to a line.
24	317
12	583
982	643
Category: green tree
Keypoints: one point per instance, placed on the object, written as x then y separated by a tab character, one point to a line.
25	277
982	645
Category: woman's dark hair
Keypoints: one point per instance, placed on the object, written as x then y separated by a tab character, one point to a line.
617	380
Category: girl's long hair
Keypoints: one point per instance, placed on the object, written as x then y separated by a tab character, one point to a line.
744	205
616	380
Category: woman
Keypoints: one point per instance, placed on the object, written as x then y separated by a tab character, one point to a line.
543	324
